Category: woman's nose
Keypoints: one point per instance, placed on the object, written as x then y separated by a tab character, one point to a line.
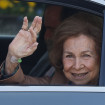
78	64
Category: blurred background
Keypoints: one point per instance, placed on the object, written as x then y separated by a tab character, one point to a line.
12	13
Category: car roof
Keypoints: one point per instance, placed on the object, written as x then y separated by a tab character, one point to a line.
91	6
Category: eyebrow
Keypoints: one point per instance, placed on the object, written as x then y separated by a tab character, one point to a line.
82	52
87	51
68	52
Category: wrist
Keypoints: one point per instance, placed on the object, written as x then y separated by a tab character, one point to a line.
10	64
14	59
4	75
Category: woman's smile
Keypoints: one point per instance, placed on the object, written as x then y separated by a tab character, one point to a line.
79	76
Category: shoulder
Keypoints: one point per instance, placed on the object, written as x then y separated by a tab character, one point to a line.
59	78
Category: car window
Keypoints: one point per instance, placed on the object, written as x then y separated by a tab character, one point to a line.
12	13
11	17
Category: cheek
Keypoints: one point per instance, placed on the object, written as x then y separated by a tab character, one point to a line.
93	67
67	64
91	64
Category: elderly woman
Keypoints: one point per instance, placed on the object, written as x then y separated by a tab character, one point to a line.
79	42
75	52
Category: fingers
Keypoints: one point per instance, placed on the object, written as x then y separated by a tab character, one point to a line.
36	24
33	30
32	48
25	23
35	27
33	35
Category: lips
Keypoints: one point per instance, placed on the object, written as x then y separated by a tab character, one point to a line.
79	75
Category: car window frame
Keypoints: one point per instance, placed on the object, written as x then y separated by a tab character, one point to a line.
102	66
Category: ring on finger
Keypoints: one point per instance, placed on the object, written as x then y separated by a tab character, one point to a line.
24	29
28	30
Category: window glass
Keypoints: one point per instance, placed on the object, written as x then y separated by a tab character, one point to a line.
12	13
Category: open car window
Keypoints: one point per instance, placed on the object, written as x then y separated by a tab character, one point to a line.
53	95
11	20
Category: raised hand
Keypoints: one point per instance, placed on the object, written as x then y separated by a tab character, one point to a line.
24	44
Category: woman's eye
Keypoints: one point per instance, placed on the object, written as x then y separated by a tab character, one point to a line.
69	56
86	55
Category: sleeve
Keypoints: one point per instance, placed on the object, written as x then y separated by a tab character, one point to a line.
21	79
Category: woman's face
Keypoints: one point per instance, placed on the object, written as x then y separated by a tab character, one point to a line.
80	60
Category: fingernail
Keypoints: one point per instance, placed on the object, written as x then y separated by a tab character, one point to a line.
25	17
36	43
35	17
40	18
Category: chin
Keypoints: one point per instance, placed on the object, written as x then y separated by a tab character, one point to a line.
79	83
